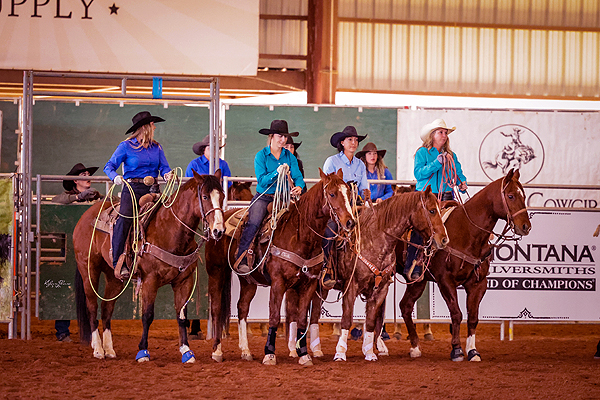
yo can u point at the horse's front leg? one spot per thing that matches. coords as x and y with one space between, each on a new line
412 294
315 314
182 290
275 298
448 291
247 293
379 321
113 288
346 323
374 313
149 289
291 317
475 292
305 296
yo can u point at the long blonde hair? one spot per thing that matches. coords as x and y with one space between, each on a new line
379 166
144 135
428 144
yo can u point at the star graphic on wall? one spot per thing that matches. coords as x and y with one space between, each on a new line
113 9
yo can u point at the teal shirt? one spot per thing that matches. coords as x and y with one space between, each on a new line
428 170
265 168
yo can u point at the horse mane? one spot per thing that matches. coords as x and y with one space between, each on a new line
309 202
210 183
380 215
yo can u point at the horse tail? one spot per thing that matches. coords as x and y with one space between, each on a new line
83 316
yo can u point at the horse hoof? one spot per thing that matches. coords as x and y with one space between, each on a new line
110 354
99 356
339 357
188 357
473 355
246 357
429 337
318 353
294 354
305 360
415 352
384 353
217 357
269 359
371 357
142 356
457 354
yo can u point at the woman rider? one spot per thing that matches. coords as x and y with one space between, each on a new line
376 169
268 162
433 167
141 157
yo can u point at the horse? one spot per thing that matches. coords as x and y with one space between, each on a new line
240 191
298 237
466 260
172 229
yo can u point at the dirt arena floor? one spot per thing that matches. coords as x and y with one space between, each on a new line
542 362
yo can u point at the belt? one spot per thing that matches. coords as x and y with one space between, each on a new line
139 180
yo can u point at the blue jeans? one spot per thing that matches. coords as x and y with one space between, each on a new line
122 226
256 215
330 232
62 326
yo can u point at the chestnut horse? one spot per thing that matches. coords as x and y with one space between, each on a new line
466 259
299 232
240 191
172 229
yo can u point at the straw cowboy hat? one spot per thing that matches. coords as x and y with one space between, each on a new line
348 131
368 148
291 141
278 126
438 123
75 171
142 118
199 147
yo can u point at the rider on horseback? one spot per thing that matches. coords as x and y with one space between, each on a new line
142 157
268 162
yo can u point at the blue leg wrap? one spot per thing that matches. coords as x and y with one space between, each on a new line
142 354
187 356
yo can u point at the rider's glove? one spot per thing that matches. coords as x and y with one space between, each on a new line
118 180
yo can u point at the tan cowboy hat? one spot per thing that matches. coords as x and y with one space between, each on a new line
198 147
368 148
436 124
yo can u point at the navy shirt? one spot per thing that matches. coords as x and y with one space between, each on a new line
137 161
201 166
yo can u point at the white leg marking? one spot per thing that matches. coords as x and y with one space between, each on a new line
292 339
243 340
470 343
181 313
184 349
97 344
367 346
107 344
315 341
217 355
383 350
415 352
342 346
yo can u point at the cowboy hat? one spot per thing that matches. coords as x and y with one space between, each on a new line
438 123
198 147
142 118
291 141
348 131
75 171
368 148
278 126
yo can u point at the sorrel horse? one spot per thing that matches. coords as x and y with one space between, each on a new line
369 261
298 236
172 229
466 259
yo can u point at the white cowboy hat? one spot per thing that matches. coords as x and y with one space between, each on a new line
438 123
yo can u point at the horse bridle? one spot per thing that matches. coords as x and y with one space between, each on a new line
427 249
509 217
202 214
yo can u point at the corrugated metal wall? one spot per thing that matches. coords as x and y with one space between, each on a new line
487 47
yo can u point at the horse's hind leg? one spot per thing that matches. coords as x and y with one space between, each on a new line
347 315
275 299
113 288
475 292
381 347
91 301
428 334
247 293
373 321
412 294
315 313
149 290
305 295
291 316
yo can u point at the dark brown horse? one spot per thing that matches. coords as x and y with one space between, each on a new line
299 232
172 229
240 191
465 261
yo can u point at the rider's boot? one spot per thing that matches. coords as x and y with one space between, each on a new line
121 270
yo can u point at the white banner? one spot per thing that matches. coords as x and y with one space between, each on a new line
550 275
547 147
203 37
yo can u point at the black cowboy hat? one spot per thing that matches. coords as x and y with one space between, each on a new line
197 147
368 148
142 118
75 171
291 141
348 131
278 126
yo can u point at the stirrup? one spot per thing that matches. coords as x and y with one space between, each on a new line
327 282
121 270
241 265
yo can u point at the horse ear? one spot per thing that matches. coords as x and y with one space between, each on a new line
517 175
196 175
428 190
218 173
246 184
510 174
340 173
322 174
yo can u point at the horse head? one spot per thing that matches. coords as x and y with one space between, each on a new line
210 203
513 202
336 194
240 191
428 220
